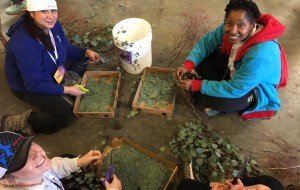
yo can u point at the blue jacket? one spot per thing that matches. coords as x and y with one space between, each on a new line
258 68
29 67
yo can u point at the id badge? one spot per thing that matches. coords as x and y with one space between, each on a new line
59 74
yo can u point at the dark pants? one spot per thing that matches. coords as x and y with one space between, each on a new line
273 183
17 1
215 67
54 111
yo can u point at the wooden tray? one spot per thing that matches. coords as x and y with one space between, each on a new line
98 74
118 142
166 111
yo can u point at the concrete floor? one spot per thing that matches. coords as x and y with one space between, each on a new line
153 132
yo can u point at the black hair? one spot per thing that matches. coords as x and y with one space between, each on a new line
250 7
37 32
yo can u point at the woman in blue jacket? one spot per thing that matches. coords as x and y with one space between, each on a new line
240 63
35 69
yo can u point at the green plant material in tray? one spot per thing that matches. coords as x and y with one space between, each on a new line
158 90
100 97
136 170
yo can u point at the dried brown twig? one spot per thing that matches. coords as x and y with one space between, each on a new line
279 141
287 168
195 25
283 162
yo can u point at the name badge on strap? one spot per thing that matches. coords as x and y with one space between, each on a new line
59 74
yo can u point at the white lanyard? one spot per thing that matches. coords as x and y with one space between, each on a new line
49 177
55 50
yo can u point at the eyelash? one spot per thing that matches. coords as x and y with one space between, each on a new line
239 25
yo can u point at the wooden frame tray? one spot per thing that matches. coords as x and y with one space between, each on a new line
155 110
118 142
98 74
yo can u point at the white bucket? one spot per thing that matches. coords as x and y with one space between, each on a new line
133 38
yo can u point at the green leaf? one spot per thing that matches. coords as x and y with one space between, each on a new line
241 158
234 163
220 141
214 146
214 174
85 41
212 159
235 173
199 150
199 162
248 169
134 113
102 60
204 145
253 162
77 39
94 43
189 141
193 153
218 153
228 146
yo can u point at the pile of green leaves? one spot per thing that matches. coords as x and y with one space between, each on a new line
136 170
100 97
83 180
97 37
215 158
158 88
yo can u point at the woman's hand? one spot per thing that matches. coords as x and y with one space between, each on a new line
218 186
73 90
92 157
185 84
115 184
181 71
93 56
238 186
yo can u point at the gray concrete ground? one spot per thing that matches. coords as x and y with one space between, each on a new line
153 132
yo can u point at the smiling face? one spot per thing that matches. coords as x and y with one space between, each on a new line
237 26
45 19
37 164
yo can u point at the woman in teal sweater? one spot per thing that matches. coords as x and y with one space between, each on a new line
240 63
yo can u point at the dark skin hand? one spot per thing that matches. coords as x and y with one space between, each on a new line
183 84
